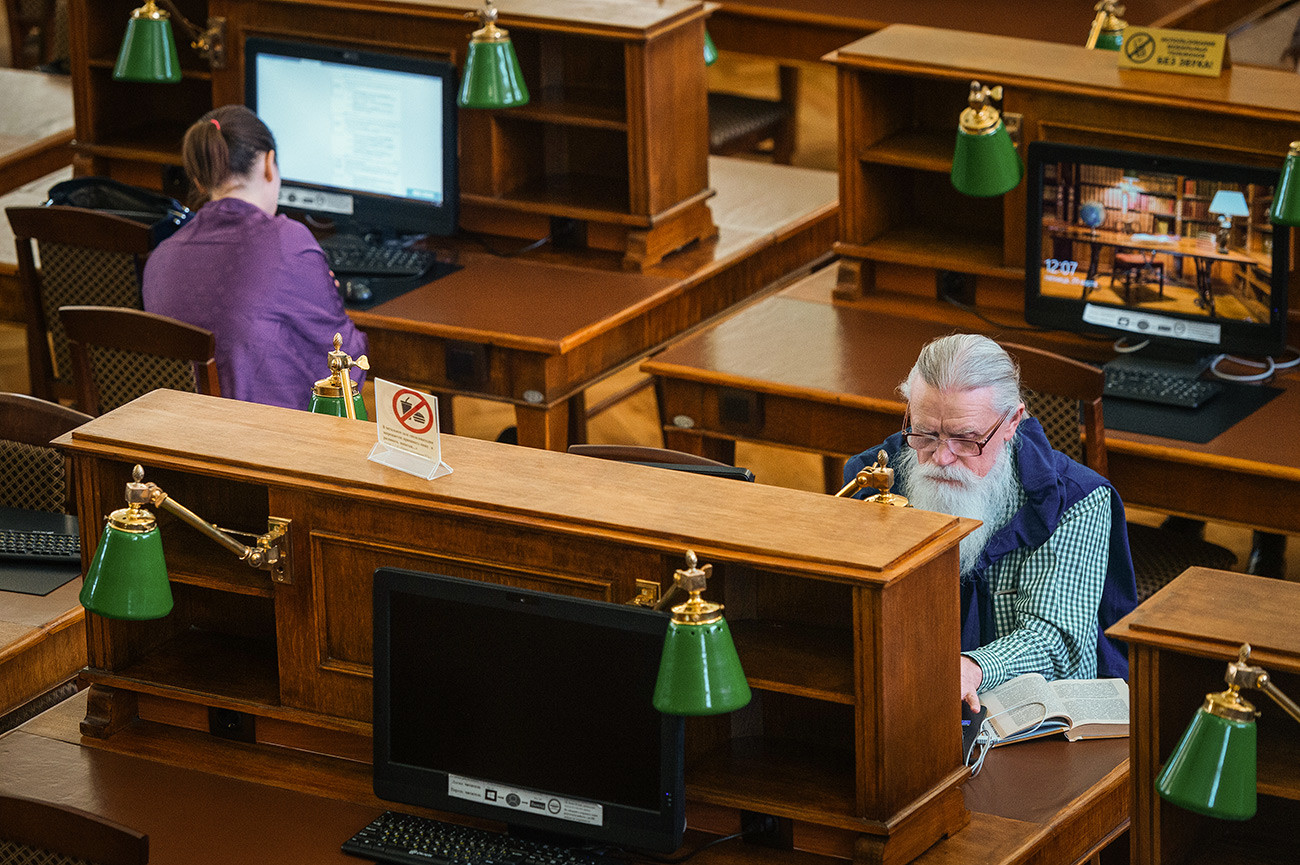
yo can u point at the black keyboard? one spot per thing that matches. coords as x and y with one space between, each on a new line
406 838
1159 387
377 260
25 546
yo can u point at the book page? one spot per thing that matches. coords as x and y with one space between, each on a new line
1094 701
1020 704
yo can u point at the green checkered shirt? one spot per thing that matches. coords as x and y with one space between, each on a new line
1045 600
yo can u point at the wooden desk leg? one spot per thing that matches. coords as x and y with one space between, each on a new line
541 427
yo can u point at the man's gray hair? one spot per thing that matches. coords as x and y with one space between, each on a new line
964 361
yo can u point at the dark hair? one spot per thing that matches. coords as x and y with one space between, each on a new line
223 143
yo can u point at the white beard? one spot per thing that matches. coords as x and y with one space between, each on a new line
990 499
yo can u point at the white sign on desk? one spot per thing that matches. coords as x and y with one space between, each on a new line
407 422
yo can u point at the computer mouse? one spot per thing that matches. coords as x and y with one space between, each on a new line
357 290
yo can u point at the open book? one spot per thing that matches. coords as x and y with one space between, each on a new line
1029 706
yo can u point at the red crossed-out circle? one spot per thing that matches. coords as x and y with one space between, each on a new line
407 418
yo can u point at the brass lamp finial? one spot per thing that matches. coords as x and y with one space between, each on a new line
338 384
489 32
879 476
1107 26
693 579
981 117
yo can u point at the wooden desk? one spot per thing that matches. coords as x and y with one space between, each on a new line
536 331
42 643
35 125
1045 802
797 370
805 30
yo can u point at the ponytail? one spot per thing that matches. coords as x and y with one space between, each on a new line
223 144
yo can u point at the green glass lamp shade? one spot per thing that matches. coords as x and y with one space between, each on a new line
710 50
1110 40
127 578
1212 769
334 405
493 78
986 164
148 51
699 671
1286 197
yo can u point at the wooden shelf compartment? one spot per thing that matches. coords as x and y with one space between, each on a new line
785 778
201 73
796 659
924 150
220 645
926 246
574 195
580 77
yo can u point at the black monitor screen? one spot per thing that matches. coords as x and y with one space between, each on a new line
364 138
1177 251
529 708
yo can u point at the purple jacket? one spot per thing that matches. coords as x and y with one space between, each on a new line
260 283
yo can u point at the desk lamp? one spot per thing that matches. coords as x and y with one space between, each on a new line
699 670
493 78
879 476
1107 31
1286 197
1129 189
1226 204
127 577
148 51
334 394
985 162
1212 769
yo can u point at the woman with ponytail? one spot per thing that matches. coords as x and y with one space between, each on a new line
258 281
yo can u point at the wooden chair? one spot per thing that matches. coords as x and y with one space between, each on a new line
119 354
642 454
1066 397
31 23
1133 266
86 257
739 124
33 831
34 475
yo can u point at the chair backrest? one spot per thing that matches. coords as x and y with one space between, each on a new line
47 832
33 474
642 454
86 257
119 354
1065 395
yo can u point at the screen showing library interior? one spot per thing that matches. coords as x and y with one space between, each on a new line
363 138
1179 252
529 708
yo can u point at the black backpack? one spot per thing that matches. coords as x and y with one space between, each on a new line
163 214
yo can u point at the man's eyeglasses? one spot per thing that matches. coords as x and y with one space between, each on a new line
926 443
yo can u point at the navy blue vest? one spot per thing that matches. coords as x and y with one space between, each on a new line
1053 484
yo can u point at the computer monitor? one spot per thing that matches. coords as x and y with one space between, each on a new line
365 140
529 708
1176 251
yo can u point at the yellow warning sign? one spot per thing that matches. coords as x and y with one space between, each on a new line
1187 52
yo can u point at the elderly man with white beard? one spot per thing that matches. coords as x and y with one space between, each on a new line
1049 570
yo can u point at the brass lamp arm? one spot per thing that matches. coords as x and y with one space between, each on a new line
210 42
1241 674
264 554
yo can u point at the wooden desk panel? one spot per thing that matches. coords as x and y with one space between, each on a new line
827 373
549 325
35 125
42 643
805 30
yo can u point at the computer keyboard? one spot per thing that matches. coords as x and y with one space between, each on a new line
1159 387
378 260
32 546
406 838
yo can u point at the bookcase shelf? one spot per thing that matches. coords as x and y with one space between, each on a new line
902 89
619 94
1180 641
837 735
